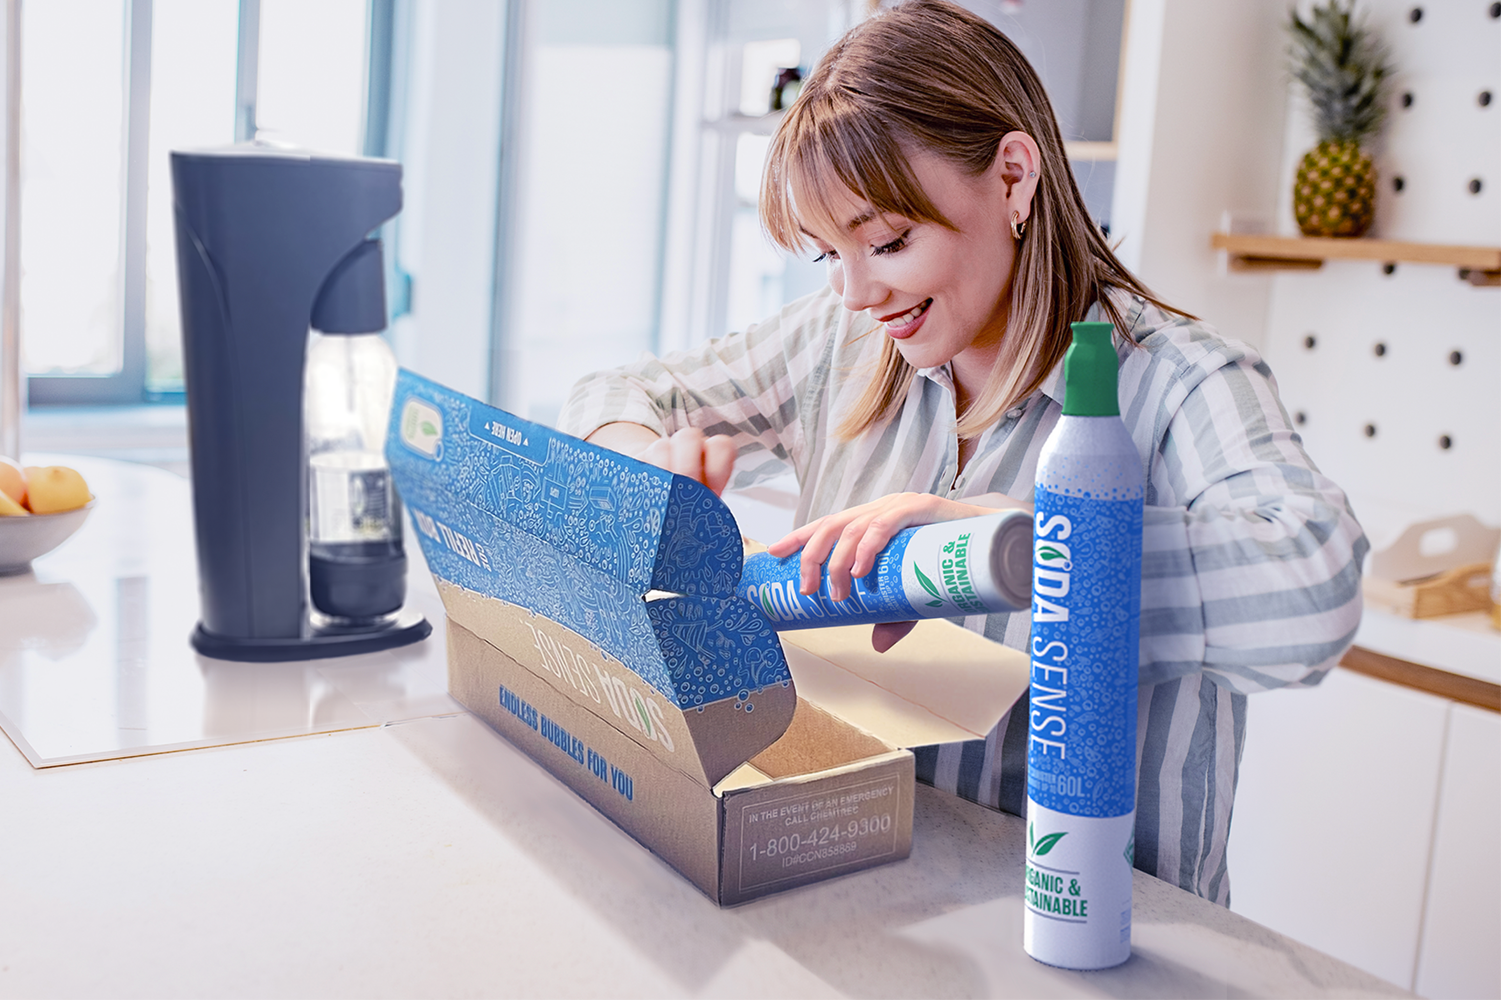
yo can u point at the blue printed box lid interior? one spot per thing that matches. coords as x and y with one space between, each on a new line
516 511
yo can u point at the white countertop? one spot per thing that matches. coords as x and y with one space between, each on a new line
422 854
1465 644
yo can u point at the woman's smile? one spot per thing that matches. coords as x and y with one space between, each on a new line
904 325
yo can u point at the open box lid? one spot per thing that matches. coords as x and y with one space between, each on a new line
547 547
541 542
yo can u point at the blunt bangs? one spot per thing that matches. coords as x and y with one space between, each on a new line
826 148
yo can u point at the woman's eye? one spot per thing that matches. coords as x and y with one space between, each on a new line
826 255
891 247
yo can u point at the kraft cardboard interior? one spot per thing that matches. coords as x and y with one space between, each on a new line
815 741
705 744
940 684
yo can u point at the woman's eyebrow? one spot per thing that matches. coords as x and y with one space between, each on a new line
850 226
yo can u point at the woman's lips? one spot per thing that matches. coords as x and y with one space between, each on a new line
903 325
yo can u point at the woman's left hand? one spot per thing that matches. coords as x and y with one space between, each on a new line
851 540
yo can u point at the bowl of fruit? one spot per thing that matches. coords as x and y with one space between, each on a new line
40 506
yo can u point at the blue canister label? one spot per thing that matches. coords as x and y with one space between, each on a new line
772 585
1086 600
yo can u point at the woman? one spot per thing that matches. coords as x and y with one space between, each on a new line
923 163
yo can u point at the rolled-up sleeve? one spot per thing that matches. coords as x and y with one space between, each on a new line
1251 557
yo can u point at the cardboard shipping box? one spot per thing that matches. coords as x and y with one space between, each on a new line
593 623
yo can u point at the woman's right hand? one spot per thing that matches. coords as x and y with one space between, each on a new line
851 540
708 460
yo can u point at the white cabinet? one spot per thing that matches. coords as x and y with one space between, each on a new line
1368 825
1460 954
1333 818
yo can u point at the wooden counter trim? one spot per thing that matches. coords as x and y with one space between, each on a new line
1455 687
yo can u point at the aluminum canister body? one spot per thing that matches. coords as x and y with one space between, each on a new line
1081 753
950 569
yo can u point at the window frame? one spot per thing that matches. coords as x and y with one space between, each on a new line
129 385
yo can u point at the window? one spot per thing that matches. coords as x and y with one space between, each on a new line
592 113
109 87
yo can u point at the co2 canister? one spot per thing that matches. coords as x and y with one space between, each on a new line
972 566
1086 604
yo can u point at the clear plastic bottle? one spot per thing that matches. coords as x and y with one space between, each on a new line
356 563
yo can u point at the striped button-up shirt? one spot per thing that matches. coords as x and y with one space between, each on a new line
1250 557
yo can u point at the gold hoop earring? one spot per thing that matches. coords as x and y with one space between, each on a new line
1018 227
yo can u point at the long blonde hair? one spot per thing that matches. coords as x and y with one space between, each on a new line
929 75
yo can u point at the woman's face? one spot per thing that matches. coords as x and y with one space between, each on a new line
942 294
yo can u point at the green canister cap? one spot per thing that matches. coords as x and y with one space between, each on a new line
1091 373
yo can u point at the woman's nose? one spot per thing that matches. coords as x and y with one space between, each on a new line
857 286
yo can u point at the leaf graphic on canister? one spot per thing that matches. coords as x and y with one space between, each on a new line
429 429
1046 844
1048 552
927 585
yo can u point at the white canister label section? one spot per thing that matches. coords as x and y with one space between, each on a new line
1078 888
944 571
949 567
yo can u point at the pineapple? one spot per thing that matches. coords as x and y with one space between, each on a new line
1344 70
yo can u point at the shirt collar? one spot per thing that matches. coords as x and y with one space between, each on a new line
1052 386
941 374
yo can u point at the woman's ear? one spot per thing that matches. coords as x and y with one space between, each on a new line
1016 165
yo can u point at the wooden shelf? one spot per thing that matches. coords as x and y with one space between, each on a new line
1477 265
1082 151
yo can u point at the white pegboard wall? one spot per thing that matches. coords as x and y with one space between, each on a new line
1442 134
1379 392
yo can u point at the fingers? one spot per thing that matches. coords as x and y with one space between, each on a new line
852 540
719 462
884 636
688 453
658 453
687 447
862 539
792 541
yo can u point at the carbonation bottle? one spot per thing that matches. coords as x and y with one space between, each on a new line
356 562
1086 603
948 569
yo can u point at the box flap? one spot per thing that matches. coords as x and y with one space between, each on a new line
940 684
547 526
